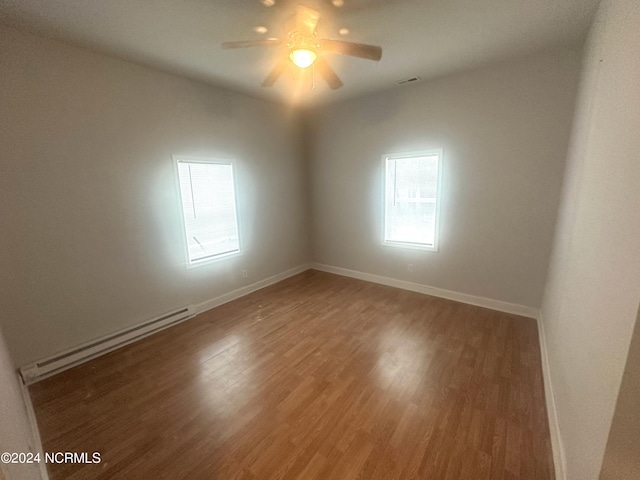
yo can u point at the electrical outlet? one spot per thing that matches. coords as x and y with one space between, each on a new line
244 274
410 267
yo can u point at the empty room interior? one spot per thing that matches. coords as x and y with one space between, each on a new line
320 239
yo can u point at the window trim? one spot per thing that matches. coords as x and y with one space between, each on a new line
177 159
410 245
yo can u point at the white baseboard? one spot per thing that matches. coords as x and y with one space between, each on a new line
490 303
241 292
35 431
559 458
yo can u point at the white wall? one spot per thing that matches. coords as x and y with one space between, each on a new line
91 239
504 130
621 458
593 288
15 430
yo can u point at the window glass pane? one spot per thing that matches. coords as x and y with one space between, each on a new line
411 192
209 209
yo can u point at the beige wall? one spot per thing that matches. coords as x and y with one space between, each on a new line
91 239
622 456
15 431
504 130
593 287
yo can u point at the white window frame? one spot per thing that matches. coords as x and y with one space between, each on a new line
177 159
422 153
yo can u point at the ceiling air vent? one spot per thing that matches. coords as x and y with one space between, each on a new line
408 80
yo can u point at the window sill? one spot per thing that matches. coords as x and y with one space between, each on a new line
412 246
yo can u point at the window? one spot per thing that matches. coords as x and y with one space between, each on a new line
411 206
208 209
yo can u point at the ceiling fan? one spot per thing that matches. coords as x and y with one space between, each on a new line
306 49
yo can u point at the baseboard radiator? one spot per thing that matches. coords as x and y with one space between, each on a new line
75 356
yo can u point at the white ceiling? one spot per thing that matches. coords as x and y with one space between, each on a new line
427 38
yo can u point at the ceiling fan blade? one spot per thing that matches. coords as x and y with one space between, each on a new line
275 73
306 20
253 43
370 52
327 73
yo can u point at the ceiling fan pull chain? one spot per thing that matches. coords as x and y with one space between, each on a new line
313 77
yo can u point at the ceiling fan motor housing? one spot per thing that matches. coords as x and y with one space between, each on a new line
298 40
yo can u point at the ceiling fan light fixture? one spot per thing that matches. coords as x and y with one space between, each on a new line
303 57
303 46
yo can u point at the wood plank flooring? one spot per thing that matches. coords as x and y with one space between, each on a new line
319 376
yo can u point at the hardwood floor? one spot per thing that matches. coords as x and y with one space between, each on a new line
319 376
